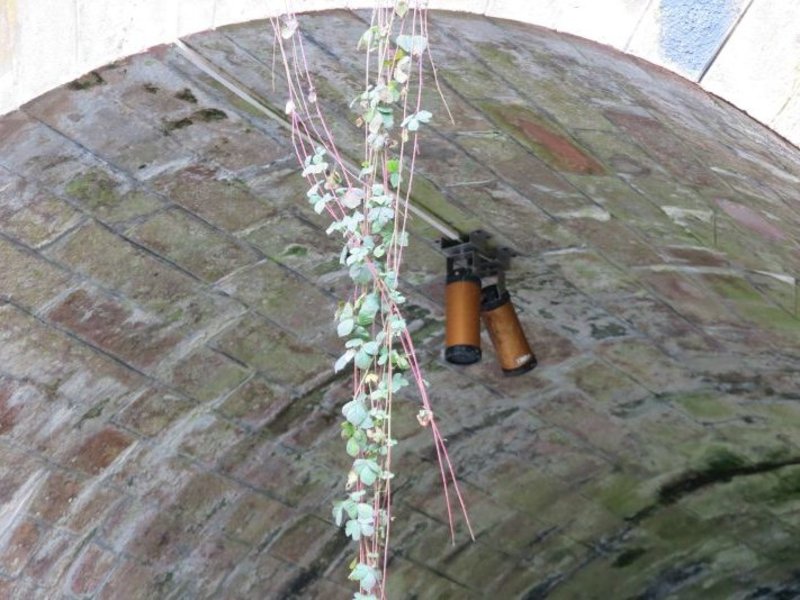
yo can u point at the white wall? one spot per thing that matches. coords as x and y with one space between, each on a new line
746 51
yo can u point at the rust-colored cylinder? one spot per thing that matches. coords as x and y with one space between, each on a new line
512 348
462 305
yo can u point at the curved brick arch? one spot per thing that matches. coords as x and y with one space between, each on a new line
745 51
168 421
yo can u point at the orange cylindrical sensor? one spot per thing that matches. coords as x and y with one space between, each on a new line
512 348
462 305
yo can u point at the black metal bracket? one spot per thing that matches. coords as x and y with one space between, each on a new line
475 253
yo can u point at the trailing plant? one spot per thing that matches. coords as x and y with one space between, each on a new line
368 204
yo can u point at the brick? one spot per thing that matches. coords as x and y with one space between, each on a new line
52 558
67 385
177 236
312 419
226 203
658 141
55 496
298 244
206 375
132 580
282 187
90 507
117 327
279 472
287 299
607 385
646 364
214 558
577 415
221 137
255 403
688 298
36 152
259 576
29 280
660 323
137 145
100 450
208 438
278 356
301 542
111 260
109 197
22 538
20 472
30 215
164 535
254 519
419 580
478 567
153 410
154 476
91 570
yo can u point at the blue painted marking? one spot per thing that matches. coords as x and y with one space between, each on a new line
692 31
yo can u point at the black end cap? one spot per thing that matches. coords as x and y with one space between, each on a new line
462 354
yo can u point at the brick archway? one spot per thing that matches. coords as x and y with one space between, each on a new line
168 419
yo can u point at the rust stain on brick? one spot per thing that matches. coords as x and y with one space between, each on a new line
100 450
54 500
749 218
550 145
113 327
19 546
8 413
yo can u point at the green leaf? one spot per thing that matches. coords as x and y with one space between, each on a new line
319 205
411 123
370 306
402 70
338 509
353 197
413 44
352 447
368 38
400 361
342 361
366 576
363 359
360 273
345 327
353 530
370 348
367 470
398 382
395 179
356 413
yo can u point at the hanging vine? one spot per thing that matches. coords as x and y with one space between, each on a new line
369 205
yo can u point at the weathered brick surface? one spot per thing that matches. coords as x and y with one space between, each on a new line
177 235
220 200
90 570
32 281
169 421
31 215
261 345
